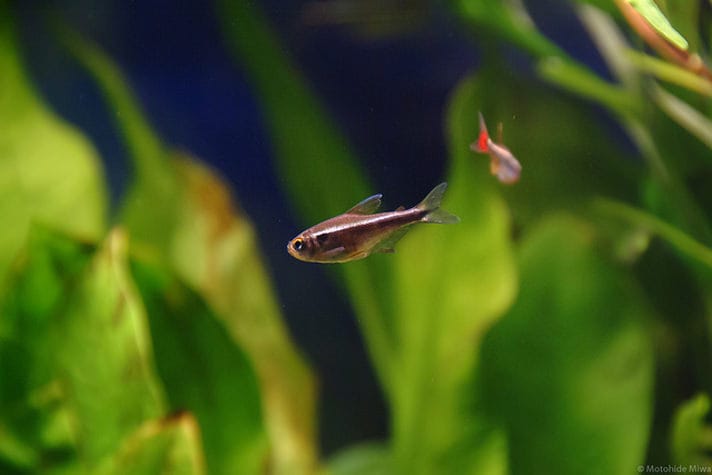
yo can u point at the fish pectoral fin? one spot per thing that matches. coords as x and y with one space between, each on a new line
335 252
387 250
367 206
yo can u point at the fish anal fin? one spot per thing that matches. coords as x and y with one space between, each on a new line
387 246
367 206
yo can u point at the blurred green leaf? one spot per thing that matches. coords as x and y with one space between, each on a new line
686 245
450 284
373 459
170 445
104 312
184 212
204 372
36 148
689 118
34 427
652 14
63 305
691 433
569 369
509 20
670 72
579 80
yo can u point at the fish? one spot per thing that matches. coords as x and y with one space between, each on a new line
503 164
360 232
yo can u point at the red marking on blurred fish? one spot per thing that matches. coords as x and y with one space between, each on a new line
503 164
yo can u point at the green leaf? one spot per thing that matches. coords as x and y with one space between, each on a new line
184 212
691 434
371 458
103 312
170 445
73 329
683 243
652 14
49 172
450 284
204 372
33 420
509 20
569 368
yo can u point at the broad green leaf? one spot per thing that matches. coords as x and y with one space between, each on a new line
184 212
49 172
569 368
204 372
691 438
170 445
74 343
652 14
34 425
450 284
104 314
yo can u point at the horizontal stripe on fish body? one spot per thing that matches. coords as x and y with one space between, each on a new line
356 234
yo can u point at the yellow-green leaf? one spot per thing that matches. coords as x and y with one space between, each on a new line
170 445
49 172
184 212
204 372
569 369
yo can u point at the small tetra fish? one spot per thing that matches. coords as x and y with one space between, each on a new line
502 163
358 233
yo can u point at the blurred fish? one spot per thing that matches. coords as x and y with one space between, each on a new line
502 163
357 233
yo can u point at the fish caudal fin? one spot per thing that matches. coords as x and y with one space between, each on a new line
482 143
431 204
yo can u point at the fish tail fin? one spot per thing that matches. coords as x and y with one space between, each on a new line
431 204
481 145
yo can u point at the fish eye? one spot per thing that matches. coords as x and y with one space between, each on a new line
298 244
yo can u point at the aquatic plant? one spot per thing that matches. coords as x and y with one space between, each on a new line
542 334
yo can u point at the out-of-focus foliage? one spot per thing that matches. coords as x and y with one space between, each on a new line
96 404
568 371
160 346
592 404
36 148
691 438
184 211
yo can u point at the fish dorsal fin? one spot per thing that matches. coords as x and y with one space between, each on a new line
400 208
367 206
